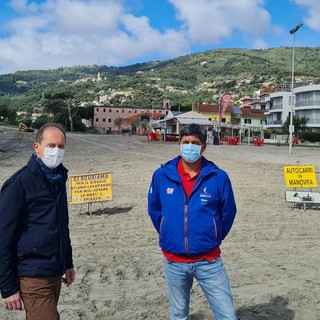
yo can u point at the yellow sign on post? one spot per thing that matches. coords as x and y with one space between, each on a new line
300 176
90 188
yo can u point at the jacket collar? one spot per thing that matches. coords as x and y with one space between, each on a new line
34 167
171 170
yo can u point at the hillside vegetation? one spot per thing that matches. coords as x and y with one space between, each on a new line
196 78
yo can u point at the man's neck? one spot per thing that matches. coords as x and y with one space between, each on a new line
192 168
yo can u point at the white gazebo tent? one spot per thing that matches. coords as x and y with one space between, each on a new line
172 123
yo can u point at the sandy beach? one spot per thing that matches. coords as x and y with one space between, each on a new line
272 253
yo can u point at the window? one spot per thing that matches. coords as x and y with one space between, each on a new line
103 120
110 110
144 117
247 121
104 110
109 120
97 120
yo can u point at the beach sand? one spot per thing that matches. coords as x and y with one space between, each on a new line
272 253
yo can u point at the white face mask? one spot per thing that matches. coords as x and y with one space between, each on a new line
52 157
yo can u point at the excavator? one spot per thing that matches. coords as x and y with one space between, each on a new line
25 128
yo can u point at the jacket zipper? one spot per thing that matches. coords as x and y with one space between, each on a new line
186 241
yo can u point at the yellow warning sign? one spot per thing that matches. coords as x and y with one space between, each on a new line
90 188
300 176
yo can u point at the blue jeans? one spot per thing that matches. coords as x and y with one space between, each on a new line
213 280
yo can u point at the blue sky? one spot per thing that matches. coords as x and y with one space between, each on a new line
48 34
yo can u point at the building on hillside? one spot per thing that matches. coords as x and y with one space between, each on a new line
87 122
261 103
307 104
104 116
247 101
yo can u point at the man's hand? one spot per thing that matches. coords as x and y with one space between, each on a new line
13 302
69 277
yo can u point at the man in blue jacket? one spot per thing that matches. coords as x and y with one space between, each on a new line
192 207
35 247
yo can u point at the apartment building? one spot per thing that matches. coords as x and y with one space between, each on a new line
307 104
306 101
278 107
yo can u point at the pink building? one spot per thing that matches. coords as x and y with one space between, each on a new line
104 116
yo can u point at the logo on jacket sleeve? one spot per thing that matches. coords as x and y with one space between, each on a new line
170 190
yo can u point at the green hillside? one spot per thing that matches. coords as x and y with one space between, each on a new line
196 78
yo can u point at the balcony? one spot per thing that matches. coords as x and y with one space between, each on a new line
313 121
276 107
309 103
274 122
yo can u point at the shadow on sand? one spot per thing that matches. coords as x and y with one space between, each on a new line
276 309
109 211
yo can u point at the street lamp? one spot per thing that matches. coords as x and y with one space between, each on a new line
293 31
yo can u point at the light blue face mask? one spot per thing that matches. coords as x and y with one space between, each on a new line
190 152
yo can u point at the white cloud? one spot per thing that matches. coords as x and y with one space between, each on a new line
23 7
313 8
210 21
59 33
54 33
259 44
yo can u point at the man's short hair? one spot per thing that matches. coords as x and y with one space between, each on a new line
194 129
39 135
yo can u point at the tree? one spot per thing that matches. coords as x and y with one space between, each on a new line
86 112
7 115
69 103
39 122
62 105
300 125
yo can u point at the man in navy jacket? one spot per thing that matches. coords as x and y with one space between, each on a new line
192 207
35 247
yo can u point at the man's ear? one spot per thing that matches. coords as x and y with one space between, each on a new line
36 147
